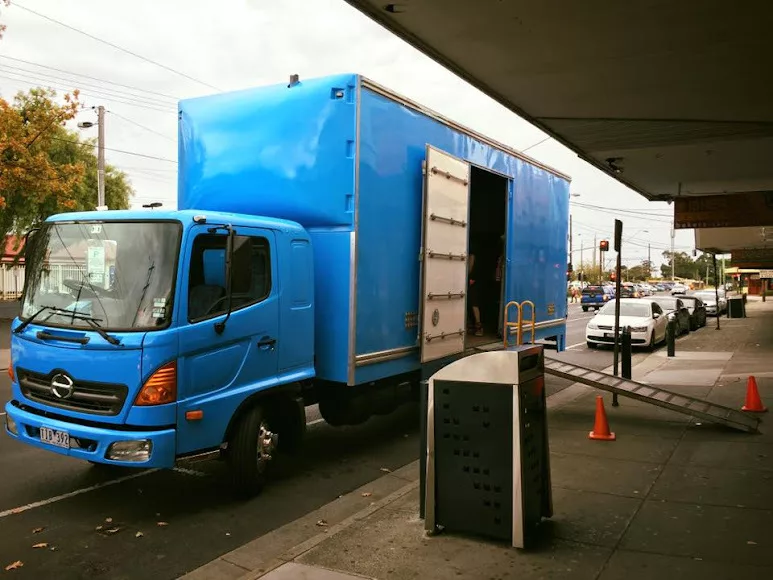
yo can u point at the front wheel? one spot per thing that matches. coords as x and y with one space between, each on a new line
652 344
590 344
251 447
585 309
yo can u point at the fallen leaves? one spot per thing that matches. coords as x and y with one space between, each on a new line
138 535
14 566
38 530
386 470
162 524
40 545
113 530
322 523
366 494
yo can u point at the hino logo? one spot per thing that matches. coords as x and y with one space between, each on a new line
62 386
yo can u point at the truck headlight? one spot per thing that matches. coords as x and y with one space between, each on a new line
135 450
10 424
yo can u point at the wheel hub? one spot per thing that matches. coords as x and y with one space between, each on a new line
267 442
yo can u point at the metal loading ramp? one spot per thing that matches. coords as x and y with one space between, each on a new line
654 395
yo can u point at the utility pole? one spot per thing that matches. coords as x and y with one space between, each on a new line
595 248
101 157
673 258
571 255
649 260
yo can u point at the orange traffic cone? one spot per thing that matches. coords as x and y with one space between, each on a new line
601 427
753 401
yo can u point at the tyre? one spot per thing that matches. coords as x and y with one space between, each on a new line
591 344
250 449
585 309
651 346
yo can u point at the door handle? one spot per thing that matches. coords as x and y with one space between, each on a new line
266 343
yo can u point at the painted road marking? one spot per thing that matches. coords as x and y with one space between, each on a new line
57 498
579 344
70 494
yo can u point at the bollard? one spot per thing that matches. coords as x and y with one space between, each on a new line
424 403
626 352
671 337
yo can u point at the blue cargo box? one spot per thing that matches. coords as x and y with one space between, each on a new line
396 199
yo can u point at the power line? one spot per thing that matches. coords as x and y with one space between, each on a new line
101 80
127 51
548 138
79 83
36 82
628 211
142 126
117 150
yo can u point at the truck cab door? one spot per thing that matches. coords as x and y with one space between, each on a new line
444 255
219 369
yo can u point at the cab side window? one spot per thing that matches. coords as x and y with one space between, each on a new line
207 286
656 309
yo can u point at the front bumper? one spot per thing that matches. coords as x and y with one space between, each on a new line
90 443
608 337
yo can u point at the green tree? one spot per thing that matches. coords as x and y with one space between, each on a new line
684 265
47 169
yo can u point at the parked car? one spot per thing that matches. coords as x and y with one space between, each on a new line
596 296
645 317
697 311
628 290
675 308
679 289
709 299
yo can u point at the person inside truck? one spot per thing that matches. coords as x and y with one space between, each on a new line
473 295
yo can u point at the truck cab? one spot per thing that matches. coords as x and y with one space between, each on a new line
147 337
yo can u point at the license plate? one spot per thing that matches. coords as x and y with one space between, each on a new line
54 437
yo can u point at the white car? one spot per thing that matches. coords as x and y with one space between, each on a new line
679 289
645 317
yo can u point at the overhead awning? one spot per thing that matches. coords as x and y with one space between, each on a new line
671 98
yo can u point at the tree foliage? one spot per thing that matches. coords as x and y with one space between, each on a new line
45 168
2 26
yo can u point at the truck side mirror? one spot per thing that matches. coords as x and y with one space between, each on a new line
229 252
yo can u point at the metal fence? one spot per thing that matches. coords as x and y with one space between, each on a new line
11 281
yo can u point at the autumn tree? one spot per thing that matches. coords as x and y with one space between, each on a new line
28 174
45 168
2 26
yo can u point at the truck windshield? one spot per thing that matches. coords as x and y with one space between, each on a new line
116 275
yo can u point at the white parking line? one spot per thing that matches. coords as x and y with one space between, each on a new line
68 495
57 498
575 346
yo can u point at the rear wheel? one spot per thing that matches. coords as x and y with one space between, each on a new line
250 449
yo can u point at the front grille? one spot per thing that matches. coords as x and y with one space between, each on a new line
87 396
604 327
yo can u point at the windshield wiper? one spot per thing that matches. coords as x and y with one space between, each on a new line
26 323
75 315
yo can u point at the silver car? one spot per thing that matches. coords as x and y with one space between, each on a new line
709 299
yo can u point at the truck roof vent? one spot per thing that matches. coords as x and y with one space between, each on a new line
200 219
294 80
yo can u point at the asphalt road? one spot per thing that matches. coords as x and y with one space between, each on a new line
69 505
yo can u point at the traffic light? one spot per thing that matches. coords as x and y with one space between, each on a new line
604 245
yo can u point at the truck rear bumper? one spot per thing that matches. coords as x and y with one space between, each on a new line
90 443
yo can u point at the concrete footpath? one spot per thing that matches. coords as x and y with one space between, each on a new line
672 497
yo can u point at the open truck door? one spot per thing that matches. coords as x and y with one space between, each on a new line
444 256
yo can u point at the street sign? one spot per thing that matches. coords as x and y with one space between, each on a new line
766 274
755 258
724 211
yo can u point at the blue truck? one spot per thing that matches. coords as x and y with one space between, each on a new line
334 243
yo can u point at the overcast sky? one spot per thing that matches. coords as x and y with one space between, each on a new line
235 44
